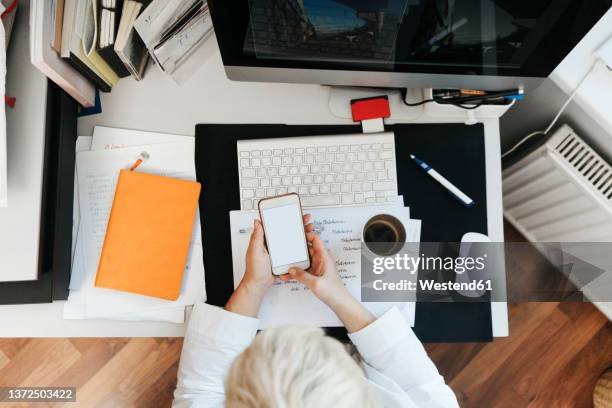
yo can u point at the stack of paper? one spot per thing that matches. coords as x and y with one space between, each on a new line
99 160
340 228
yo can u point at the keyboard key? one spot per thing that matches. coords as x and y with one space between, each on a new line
303 190
292 189
247 204
344 148
256 162
335 188
380 199
250 183
368 166
380 194
383 185
370 200
297 180
281 190
300 150
271 192
361 176
318 179
340 157
366 186
339 178
288 150
293 170
329 178
277 161
283 171
357 166
248 193
379 165
320 149
286 181
386 154
324 189
314 169
245 154
351 156
248 173
388 145
347 199
371 176
320 200
376 146
272 171
260 193
349 177
245 163
356 187
303 170
314 189
266 153
366 146
361 156
298 160
266 161
311 150
336 168
287 160
372 156
277 152
359 198
345 188
326 168
265 182
262 172
276 181
332 149
354 148
307 179
381 175
320 158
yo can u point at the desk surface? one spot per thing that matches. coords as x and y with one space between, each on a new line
158 104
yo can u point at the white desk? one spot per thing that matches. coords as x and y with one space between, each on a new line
158 104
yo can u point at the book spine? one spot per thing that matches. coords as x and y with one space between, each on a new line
88 73
113 60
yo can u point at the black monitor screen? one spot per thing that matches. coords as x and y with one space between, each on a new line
481 37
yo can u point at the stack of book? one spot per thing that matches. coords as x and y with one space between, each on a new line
84 45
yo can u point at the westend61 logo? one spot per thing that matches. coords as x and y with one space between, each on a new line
433 270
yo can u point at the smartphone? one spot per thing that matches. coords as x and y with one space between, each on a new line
283 225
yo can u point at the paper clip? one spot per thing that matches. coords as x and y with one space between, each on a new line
144 156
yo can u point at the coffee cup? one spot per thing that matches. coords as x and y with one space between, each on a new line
384 235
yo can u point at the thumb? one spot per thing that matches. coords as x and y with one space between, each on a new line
302 276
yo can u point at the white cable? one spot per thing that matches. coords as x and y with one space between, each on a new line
598 63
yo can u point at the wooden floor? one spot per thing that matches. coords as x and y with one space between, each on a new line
554 355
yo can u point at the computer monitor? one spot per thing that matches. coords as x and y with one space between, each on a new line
478 44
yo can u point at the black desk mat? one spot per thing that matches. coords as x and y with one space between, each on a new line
455 150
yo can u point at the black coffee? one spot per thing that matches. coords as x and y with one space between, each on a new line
384 235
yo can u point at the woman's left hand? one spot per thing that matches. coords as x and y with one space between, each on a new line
258 277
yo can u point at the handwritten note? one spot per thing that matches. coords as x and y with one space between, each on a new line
340 229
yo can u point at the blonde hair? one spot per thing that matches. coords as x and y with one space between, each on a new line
297 367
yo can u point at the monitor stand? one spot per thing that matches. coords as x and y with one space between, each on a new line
340 106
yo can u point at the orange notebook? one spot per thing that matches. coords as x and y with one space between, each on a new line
147 239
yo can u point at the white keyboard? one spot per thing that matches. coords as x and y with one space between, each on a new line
323 170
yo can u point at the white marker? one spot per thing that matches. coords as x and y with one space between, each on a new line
458 194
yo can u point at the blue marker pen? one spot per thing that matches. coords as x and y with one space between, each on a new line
458 194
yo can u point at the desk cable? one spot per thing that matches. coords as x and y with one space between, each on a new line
596 64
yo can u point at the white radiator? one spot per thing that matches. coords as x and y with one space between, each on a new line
562 192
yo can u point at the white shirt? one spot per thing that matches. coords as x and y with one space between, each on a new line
395 361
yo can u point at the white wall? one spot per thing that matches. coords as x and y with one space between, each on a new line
591 112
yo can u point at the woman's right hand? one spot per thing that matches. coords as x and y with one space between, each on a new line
322 278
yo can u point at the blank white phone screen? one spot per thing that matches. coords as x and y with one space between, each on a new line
285 234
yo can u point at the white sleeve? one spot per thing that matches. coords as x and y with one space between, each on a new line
390 347
213 339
